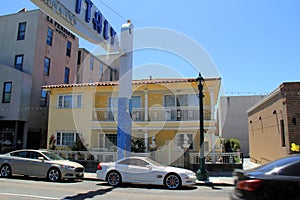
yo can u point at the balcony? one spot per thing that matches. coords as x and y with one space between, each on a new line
154 114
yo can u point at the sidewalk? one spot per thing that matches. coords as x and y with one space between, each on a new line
213 181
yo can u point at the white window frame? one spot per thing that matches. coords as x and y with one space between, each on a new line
104 143
164 101
59 141
76 101
190 100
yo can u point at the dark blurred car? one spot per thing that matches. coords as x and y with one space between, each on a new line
279 179
39 163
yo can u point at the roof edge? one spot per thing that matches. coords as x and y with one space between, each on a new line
134 82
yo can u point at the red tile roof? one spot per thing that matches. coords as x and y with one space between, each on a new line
134 82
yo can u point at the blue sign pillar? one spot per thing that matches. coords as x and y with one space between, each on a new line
125 91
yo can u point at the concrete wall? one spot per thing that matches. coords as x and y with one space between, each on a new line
21 84
86 73
35 49
232 118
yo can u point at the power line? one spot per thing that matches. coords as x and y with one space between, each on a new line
111 9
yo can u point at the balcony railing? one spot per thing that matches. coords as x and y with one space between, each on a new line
177 114
109 114
154 114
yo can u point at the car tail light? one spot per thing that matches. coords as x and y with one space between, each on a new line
99 166
249 185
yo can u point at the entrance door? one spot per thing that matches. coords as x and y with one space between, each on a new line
33 140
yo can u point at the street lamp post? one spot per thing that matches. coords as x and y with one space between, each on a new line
202 174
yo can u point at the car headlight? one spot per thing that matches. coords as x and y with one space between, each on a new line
190 173
67 166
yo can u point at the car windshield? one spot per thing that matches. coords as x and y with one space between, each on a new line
53 156
153 162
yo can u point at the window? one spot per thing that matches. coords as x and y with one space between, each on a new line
67 75
91 63
7 92
65 138
135 162
43 102
187 100
110 140
107 141
49 37
181 100
19 62
20 154
290 170
282 133
79 58
47 62
70 101
180 140
69 46
101 69
21 31
34 155
169 100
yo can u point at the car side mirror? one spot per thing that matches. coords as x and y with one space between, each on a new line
41 159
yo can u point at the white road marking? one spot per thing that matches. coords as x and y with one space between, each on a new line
30 196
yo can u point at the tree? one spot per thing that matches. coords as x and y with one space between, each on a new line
138 146
52 142
231 145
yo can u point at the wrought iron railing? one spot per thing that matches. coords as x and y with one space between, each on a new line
218 158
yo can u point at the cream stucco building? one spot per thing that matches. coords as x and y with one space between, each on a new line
165 115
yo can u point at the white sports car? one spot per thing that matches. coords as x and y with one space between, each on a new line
144 171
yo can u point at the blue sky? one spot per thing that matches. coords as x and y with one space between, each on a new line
255 44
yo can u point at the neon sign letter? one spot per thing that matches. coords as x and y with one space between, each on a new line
89 5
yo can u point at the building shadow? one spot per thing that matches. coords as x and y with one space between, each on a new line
149 187
90 194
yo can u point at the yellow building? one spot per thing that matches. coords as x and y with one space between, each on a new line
165 116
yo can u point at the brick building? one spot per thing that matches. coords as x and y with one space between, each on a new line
274 123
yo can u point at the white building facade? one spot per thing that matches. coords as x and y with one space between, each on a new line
233 118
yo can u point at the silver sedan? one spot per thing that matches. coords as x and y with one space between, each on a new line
39 163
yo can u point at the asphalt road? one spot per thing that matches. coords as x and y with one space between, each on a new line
32 188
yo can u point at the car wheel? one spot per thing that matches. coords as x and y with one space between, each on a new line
5 171
54 175
114 178
172 181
